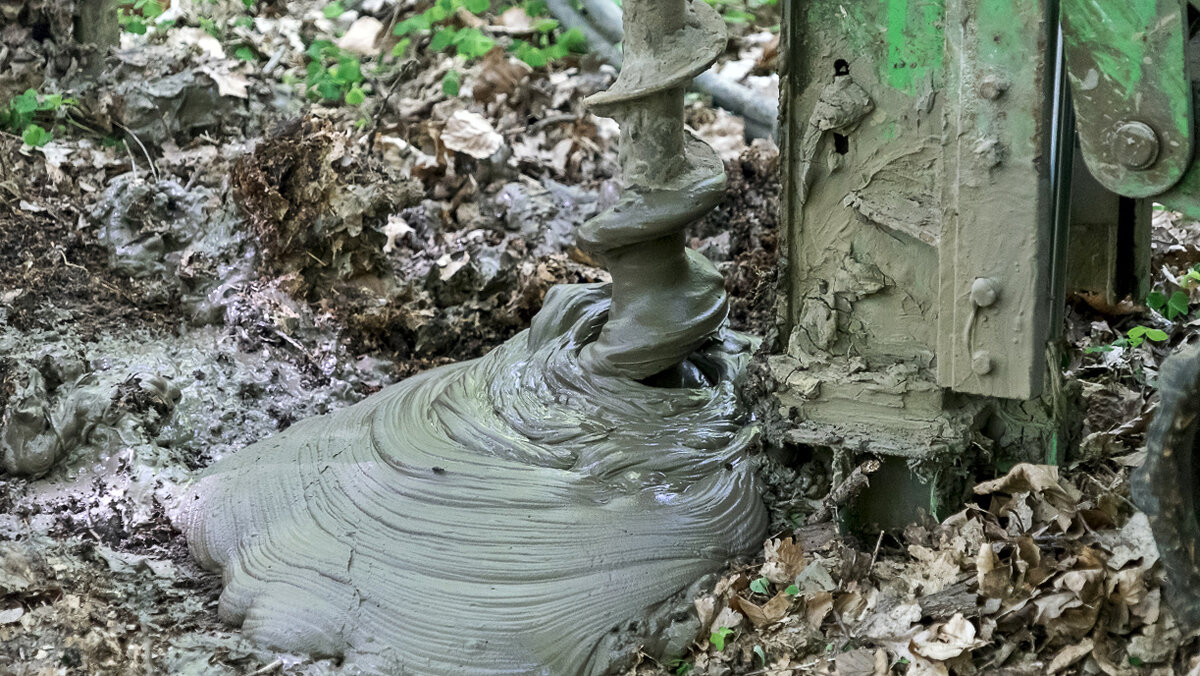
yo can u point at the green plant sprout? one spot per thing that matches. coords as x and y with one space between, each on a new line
761 586
546 46
1174 307
22 110
717 639
136 16
334 75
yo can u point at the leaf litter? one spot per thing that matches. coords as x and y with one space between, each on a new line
451 217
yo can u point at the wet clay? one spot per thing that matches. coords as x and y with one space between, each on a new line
504 515
538 510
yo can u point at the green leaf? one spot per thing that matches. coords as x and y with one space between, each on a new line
245 53
471 43
1156 301
450 83
531 55
717 639
761 586
574 40
1139 333
329 90
762 655
209 26
319 49
545 25
535 7
136 27
333 10
347 71
152 9
355 96
36 136
792 590
414 24
443 39
401 47
1157 335
1177 306
25 103
478 6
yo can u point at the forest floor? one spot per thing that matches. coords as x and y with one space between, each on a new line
220 240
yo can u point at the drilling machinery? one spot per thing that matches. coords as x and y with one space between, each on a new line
953 170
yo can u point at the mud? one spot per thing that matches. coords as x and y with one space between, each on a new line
500 492
667 298
335 537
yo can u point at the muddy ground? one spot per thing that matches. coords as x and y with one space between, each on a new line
204 255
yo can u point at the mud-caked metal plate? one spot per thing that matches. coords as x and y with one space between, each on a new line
1132 96
994 257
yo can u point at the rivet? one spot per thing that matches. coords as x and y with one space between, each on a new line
981 363
984 292
1135 145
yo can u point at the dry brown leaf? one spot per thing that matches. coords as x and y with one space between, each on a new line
817 607
946 641
498 74
769 613
784 561
514 20
992 577
361 37
471 134
728 618
857 662
1070 655
1024 478
706 609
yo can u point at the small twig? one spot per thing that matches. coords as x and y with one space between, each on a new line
150 160
273 61
69 263
875 554
845 491
274 666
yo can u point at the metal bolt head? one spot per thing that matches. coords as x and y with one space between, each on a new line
1135 145
984 292
981 363
992 87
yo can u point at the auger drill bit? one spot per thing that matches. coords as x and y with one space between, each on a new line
667 299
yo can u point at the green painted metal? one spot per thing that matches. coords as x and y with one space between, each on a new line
997 199
1185 195
915 43
1126 64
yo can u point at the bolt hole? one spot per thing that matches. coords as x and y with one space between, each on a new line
841 67
841 143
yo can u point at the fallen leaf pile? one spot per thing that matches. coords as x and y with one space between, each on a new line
1042 576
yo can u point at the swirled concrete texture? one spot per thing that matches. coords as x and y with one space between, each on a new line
508 515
